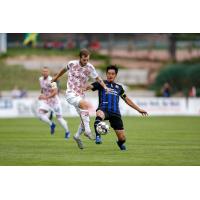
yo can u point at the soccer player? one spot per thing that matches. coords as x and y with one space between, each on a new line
49 101
79 72
108 108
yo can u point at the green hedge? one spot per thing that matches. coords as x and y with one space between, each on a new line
181 77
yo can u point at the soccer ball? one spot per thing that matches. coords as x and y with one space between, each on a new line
102 128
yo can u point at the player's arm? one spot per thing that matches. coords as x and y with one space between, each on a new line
59 74
134 106
93 86
54 91
100 81
89 87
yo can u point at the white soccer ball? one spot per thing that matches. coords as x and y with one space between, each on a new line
102 128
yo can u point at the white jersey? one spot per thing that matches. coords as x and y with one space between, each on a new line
78 76
46 88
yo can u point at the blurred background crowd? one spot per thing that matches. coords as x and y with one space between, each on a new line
150 65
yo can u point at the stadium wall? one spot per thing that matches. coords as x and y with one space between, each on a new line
27 107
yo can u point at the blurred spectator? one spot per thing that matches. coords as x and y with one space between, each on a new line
18 93
83 44
192 92
166 90
23 93
15 93
54 45
0 94
71 44
95 45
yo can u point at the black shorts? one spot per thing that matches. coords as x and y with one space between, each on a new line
115 120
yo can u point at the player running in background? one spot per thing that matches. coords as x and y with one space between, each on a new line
49 101
108 108
79 72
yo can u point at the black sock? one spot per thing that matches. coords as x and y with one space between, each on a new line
121 142
51 115
97 120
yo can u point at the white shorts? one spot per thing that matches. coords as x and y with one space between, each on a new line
73 99
56 108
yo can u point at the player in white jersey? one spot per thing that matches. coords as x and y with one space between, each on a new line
79 72
49 101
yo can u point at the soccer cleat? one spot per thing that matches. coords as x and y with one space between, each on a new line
89 135
67 135
98 140
122 146
53 126
79 142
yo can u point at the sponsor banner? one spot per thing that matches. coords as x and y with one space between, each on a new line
28 107
194 106
157 106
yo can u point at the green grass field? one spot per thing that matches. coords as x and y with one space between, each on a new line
157 141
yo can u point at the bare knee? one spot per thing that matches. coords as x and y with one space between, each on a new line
101 114
83 105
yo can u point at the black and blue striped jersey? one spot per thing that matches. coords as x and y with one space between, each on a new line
109 102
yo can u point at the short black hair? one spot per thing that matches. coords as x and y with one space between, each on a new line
114 67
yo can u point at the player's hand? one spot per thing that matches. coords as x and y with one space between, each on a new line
42 97
143 112
53 79
107 89
86 87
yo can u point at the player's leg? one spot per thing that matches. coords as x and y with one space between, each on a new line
64 124
100 116
121 139
80 130
51 115
78 134
58 111
81 107
117 124
83 110
42 114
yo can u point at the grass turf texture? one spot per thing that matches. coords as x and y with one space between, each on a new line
150 141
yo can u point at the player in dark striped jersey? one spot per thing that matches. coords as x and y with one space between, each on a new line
108 108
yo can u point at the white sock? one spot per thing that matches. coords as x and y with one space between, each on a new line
45 118
79 131
63 123
86 120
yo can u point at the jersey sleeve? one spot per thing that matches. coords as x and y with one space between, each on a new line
122 93
93 73
96 86
54 85
69 65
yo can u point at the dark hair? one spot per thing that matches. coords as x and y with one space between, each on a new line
114 67
84 52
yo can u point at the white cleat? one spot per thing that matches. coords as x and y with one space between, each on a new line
79 142
90 136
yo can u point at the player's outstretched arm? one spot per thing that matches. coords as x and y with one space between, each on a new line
58 75
88 87
134 106
100 81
